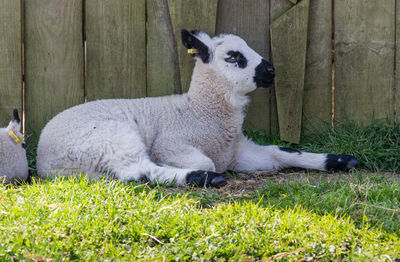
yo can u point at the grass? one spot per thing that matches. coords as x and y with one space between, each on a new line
292 215
75 219
367 198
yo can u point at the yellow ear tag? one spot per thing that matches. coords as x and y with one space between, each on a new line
193 51
16 138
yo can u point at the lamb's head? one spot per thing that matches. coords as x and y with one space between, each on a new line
13 162
13 130
232 58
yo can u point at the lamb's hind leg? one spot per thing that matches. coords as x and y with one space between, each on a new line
252 157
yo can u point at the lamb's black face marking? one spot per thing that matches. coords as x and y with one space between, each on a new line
195 32
340 162
264 75
16 116
189 40
207 178
289 150
236 57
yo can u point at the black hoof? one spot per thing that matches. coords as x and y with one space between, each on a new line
206 178
218 182
340 162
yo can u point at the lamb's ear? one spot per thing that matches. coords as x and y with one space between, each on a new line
15 123
196 42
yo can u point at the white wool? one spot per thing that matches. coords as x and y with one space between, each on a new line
13 163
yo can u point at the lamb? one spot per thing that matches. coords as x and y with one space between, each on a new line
13 162
188 138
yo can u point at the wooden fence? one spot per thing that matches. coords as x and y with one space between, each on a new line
56 53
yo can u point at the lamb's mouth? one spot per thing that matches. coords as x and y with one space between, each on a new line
264 83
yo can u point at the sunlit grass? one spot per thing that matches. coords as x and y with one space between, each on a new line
75 219
305 216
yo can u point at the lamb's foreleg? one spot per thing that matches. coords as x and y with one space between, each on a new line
252 157
147 170
201 169
183 156
125 155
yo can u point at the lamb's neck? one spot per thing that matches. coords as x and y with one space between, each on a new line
211 93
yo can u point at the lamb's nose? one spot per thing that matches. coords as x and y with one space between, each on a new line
270 70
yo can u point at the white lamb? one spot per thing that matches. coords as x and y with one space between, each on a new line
13 163
190 138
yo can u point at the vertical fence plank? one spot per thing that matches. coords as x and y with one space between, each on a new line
249 19
191 15
10 59
53 58
277 8
289 45
162 52
116 48
317 96
364 60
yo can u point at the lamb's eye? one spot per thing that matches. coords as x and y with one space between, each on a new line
236 57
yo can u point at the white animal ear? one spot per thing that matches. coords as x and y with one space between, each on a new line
198 44
15 123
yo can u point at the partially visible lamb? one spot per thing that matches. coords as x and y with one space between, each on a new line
189 138
13 163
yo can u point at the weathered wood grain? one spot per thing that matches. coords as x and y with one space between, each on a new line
53 59
10 60
191 15
364 60
288 43
317 95
162 52
249 19
116 48
277 8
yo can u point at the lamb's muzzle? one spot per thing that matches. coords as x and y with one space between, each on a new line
265 74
